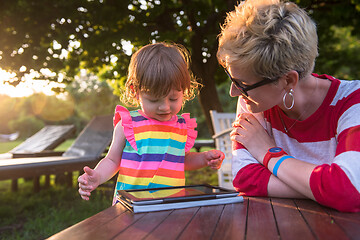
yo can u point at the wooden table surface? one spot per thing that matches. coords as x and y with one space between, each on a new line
255 218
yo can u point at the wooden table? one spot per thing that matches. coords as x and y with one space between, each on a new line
256 218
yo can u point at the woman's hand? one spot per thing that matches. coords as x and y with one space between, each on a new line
252 135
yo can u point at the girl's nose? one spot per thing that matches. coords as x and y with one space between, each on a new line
164 106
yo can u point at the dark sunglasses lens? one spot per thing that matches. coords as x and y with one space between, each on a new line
238 87
243 92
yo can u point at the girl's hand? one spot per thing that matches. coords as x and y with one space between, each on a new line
88 182
214 158
251 134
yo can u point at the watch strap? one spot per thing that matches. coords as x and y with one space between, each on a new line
269 155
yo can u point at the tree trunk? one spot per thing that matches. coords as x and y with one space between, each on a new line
208 96
209 99
205 72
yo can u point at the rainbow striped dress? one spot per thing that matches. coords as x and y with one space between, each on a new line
154 151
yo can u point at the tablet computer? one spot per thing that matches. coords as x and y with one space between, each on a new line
174 194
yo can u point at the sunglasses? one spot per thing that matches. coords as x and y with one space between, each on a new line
244 90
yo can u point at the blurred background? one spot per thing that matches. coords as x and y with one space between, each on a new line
64 62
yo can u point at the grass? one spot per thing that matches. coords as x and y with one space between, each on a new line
7 146
28 215
25 215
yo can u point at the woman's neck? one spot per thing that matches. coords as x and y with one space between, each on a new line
309 94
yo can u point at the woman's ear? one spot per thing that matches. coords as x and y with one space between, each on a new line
291 79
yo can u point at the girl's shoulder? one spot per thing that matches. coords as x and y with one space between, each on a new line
185 118
123 114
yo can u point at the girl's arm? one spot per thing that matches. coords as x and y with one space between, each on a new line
106 168
110 164
197 160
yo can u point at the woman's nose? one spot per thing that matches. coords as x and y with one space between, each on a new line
234 92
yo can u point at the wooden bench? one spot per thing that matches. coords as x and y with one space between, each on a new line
87 149
41 144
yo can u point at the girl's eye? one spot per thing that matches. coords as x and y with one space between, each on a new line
173 99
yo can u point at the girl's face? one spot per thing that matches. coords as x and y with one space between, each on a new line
161 109
260 98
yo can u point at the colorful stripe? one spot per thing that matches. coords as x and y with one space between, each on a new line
145 181
160 135
160 142
153 157
151 173
150 165
159 128
154 152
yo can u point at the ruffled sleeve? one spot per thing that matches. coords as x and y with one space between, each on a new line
191 132
121 113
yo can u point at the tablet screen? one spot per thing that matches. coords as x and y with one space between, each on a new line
174 193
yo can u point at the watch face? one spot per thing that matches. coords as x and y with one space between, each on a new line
275 149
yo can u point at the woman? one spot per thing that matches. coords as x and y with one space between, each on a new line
297 134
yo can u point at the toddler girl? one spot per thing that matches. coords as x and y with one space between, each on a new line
150 146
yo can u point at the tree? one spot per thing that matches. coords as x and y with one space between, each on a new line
66 36
91 96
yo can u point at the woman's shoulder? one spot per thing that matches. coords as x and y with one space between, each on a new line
348 91
347 87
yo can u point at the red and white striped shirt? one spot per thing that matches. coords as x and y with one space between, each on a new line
329 138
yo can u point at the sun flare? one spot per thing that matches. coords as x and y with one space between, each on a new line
25 88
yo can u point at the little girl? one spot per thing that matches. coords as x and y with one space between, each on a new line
150 146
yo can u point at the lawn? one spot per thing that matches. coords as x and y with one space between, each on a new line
28 215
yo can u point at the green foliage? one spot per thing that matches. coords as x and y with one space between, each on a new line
67 36
27 125
341 56
10 109
338 26
34 33
94 33
51 108
92 97
204 175
100 28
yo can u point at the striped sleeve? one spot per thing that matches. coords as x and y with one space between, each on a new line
251 177
337 185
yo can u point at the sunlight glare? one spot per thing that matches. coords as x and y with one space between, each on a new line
27 87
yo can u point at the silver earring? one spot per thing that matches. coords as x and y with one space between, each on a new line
290 93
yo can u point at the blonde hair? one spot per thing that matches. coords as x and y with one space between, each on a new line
269 36
157 69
